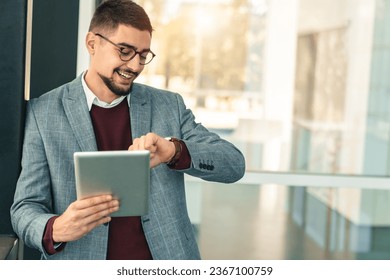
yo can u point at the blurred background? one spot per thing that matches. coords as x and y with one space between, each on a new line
301 87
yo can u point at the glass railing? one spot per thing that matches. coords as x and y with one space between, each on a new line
246 220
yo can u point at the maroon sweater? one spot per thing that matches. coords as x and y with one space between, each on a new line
126 239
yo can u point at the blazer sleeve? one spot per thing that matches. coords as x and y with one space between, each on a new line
32 200
212 158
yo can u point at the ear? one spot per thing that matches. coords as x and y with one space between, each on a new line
90 42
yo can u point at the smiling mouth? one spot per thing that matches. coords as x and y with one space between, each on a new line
125 75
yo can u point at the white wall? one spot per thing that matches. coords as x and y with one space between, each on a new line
86 9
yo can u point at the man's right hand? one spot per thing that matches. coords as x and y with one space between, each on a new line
82 216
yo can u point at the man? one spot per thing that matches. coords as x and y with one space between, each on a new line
104 110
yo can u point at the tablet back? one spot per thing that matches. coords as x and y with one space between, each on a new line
124 174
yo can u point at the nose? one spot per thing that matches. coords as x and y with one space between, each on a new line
134 65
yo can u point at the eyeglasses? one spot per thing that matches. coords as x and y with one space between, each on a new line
129 52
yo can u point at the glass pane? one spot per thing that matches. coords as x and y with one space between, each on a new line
298 86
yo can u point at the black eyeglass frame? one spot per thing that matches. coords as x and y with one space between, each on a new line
121 53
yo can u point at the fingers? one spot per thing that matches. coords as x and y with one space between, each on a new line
82 216
101 213
93 201
145 142
161 150
96 207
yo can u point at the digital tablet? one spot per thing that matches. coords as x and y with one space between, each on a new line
124 174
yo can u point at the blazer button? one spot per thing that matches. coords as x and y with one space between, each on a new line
200 165
212 167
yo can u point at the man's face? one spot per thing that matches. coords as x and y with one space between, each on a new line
108 73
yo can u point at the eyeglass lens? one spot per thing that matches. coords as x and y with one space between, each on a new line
128 54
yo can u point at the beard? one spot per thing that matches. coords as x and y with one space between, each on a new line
117 90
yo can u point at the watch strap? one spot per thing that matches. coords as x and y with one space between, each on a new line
178 150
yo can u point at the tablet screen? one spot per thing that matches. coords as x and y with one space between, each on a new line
124 174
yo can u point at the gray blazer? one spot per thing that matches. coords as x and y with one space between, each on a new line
58 124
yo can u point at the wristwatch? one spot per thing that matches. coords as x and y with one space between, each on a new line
178 150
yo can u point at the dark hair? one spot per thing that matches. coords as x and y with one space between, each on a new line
111 13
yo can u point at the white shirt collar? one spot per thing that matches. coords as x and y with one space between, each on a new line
92 98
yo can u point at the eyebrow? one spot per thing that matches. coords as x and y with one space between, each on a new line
125 45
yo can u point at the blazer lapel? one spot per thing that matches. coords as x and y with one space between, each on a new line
76 110
140 111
